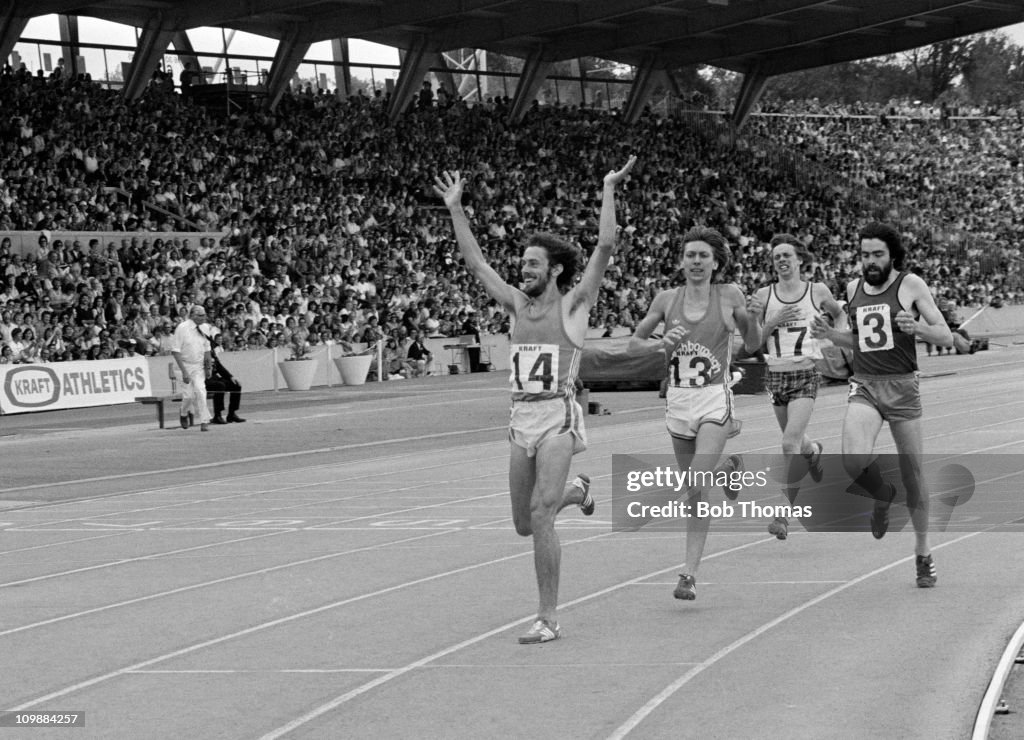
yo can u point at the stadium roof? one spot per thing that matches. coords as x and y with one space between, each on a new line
775 35
759 38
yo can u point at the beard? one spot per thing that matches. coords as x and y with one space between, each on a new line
877 275
540 284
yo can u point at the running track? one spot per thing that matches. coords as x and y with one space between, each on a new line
344 566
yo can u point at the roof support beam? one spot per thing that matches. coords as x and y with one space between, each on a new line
69 44
535 71
186 53
342 72
415 64
644 81
290 51
11 28
751 89
444 73
156 37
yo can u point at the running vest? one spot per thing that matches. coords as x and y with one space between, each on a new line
879 347
792 341
703 357
544 361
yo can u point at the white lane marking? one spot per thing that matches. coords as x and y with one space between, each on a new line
666 693
285 620
215 582
359 690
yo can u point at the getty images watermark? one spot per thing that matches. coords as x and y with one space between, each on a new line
965 493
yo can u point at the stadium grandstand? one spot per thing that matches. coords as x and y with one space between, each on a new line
292 199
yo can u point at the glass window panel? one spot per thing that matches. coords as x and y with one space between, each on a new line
570 92
98 31
367 52
42 27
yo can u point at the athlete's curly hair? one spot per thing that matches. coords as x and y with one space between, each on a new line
888 234
560 252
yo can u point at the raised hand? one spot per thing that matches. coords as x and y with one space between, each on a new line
613 178
448 187
672 338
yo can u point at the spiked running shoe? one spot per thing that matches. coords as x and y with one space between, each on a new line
541 631
926 575
814 463
732 464
587 505
686 589
779 527
880 514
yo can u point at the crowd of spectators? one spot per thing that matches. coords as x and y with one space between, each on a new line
315 223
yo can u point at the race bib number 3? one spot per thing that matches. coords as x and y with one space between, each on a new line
534 368
874 328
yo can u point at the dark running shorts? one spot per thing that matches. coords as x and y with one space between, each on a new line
784 387
895 397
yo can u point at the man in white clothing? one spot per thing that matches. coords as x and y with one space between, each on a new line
191 350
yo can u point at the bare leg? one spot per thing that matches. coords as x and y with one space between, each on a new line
910 446
552 463
706 451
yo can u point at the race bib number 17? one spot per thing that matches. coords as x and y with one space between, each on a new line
534 368
874 327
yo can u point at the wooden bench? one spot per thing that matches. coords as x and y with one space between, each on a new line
159 401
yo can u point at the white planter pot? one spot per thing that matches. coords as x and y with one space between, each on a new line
298 374
354 368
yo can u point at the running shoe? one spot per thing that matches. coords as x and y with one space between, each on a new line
926 575
779 527
880 514
541 631
587 506
732 464
686 589
814 463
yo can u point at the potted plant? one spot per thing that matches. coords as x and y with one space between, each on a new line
299 369
354 366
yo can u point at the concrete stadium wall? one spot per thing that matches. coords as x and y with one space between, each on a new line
257 370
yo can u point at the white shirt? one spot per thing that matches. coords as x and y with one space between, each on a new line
192 345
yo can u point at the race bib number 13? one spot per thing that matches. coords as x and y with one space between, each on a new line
874 328
534 368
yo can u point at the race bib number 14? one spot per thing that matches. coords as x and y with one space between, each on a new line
534 368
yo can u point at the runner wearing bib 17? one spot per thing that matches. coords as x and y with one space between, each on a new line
787 308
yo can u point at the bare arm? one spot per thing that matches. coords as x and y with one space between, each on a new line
585 293
822 329
641 343
932 326
449 188
750 327
823 297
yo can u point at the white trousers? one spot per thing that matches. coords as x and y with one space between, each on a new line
193 397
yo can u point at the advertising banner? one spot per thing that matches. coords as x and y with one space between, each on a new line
70 385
